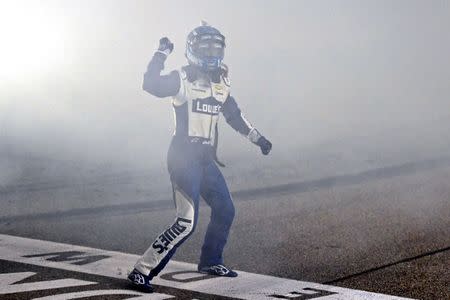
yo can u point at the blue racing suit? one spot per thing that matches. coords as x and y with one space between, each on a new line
197 98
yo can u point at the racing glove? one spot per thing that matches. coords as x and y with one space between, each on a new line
256 138
165 46
264 145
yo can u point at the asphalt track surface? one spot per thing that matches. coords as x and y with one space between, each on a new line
384 230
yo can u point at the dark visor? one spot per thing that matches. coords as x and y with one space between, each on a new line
210 49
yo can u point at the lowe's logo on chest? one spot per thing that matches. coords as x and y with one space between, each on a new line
209 106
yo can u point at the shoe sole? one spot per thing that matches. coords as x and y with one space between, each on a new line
140 287
218 275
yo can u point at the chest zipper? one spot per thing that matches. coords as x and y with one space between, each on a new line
210 119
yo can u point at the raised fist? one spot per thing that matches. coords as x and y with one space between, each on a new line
165 46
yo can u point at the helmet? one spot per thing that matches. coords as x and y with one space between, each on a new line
205 47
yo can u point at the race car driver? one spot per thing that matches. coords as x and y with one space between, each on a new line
199 92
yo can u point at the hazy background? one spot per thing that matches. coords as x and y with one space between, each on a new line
337 86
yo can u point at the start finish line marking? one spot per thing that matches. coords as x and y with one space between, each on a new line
177 275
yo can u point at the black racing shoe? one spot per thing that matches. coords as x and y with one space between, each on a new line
217 270
140 281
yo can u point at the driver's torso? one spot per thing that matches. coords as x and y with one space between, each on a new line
197 106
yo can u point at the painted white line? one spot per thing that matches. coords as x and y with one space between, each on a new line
78 295
7 286
176 275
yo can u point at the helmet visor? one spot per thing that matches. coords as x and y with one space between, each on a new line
210 48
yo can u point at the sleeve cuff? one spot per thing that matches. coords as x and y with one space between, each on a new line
253 135
162 54
159 55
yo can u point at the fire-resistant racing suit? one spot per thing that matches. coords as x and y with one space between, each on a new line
197 98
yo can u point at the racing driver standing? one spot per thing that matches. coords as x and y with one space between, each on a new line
199 92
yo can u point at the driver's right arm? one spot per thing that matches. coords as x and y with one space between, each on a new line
161 85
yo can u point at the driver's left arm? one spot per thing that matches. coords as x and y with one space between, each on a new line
238 122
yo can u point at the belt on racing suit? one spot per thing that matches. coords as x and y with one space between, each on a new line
205 141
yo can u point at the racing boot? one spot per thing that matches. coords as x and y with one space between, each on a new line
217 270
140 281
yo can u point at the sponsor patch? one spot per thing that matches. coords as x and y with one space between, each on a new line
209 106
163 241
